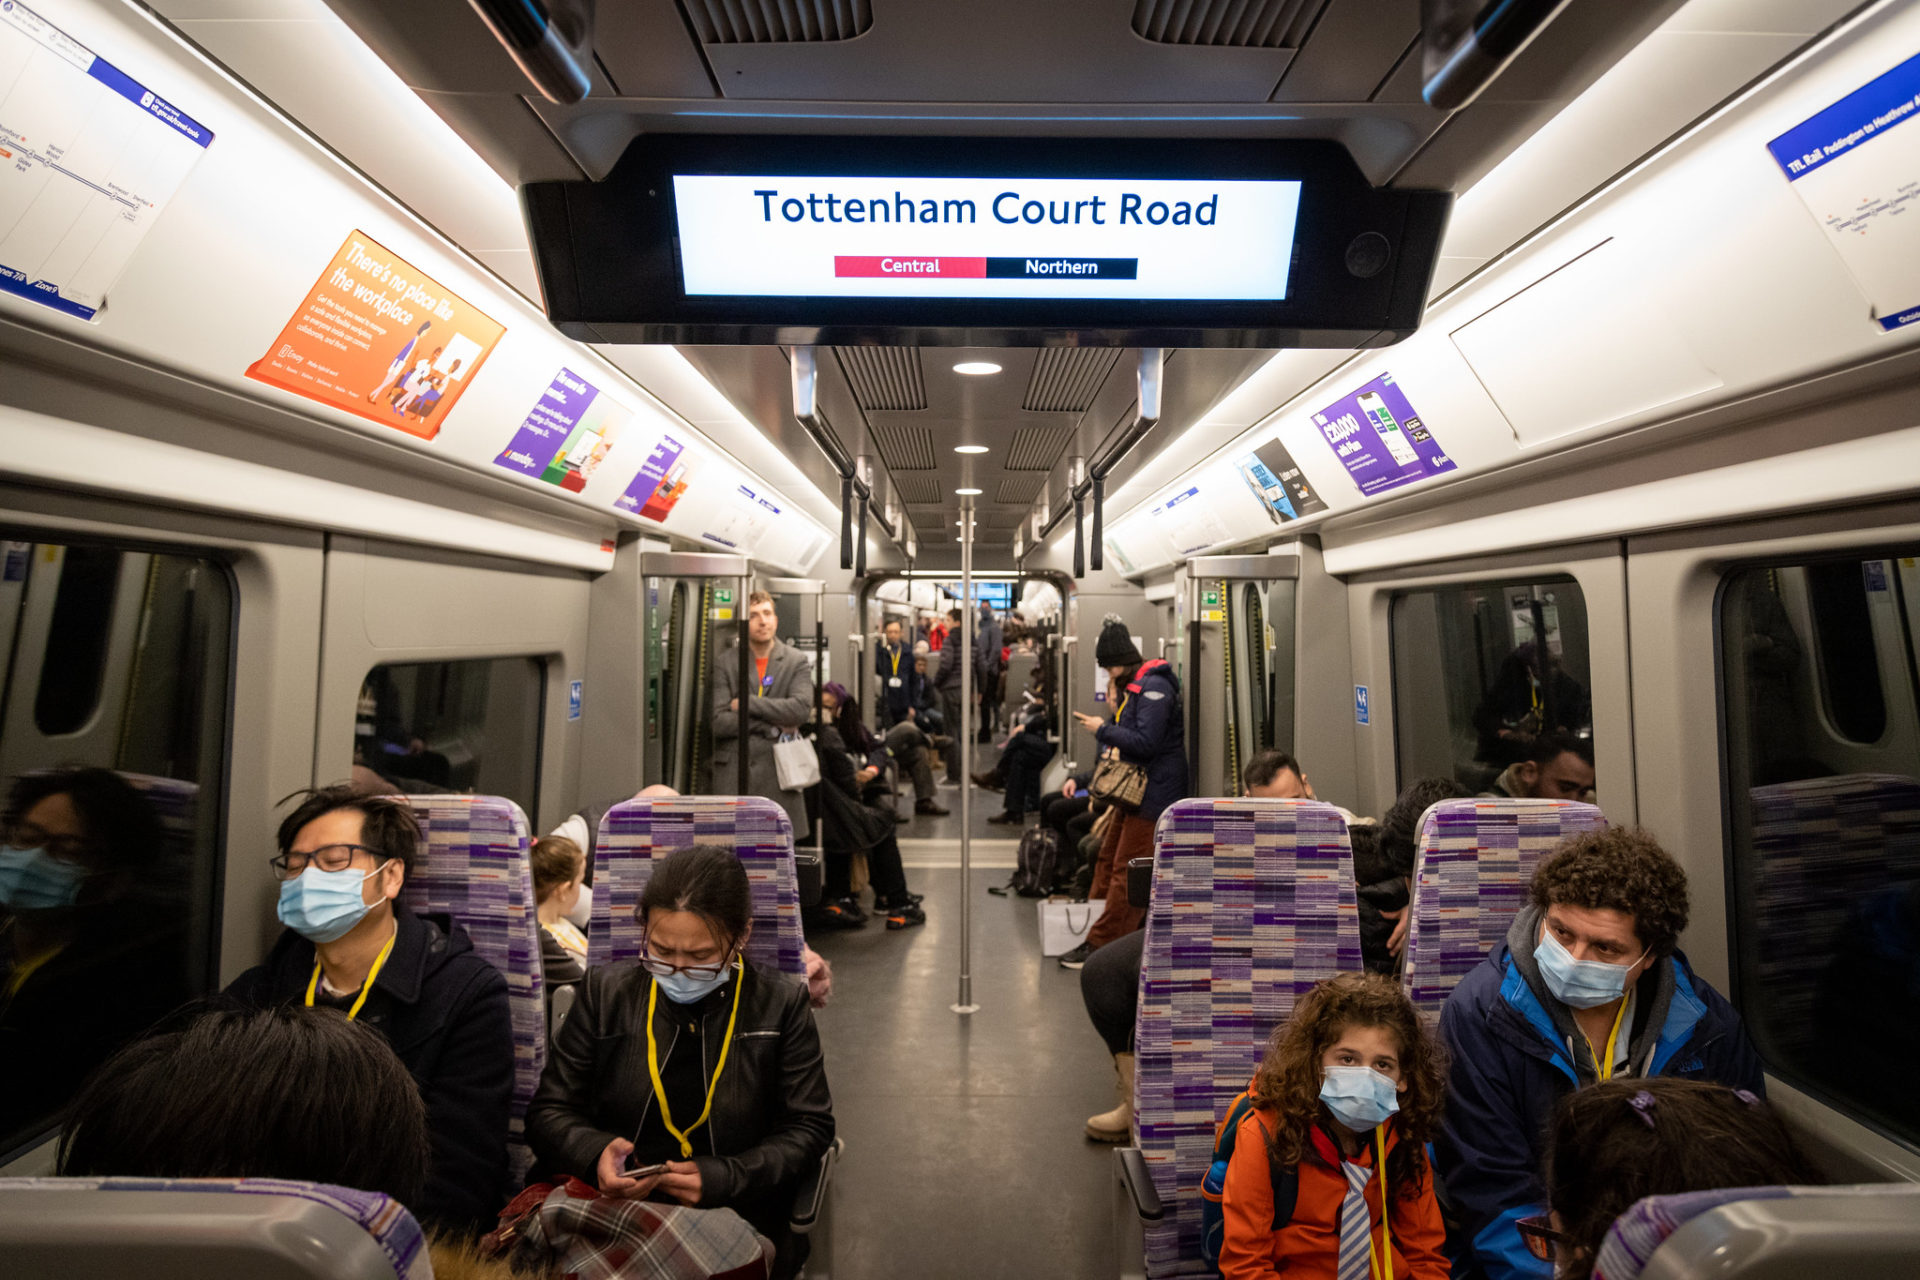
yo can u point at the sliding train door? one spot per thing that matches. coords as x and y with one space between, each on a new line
691 611
1232 661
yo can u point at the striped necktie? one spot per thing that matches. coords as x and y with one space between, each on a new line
1356 1226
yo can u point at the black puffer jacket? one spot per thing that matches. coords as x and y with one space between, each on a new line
772 1116
849 824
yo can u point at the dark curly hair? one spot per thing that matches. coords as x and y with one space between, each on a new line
1288 1081
1618 869
1400 828
1613 1143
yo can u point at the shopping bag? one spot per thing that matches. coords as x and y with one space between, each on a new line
1064 924
796 763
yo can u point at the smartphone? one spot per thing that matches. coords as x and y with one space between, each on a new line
642 1170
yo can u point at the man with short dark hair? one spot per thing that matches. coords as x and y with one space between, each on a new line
899 679
1555 767
1590 985
778 699
946 683
350 945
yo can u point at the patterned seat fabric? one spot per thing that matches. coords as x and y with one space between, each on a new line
1822 848
635 832
1636 1234
392 1227
1471 871
1252 904
474 867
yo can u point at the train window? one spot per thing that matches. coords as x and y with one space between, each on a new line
1484 672
466 726
113 769
1823 778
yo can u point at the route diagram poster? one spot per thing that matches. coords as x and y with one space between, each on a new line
381 339
89 158
566 435
1379 439
1856 166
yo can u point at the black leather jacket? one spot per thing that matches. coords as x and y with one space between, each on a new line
772 1116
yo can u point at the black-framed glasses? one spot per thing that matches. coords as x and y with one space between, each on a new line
698 972
1542 1241
27 835
328 857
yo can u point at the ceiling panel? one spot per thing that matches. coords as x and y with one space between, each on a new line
1066 379
917 487
1022 488
903 448
884 377
1037 448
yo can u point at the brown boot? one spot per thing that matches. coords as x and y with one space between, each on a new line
1116 1125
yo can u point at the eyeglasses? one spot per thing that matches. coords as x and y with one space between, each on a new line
26 835
698 972
328 857
1542 1241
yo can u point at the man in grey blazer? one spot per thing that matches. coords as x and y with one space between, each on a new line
778 698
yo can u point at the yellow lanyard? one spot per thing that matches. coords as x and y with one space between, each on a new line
1386 1229
653 1062
24 969
1605 1069
1121 709
366 988
895 655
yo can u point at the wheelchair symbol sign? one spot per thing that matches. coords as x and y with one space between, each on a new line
573 700
1360 704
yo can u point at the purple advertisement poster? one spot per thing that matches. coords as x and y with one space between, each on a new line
1380 439
659 483
545 447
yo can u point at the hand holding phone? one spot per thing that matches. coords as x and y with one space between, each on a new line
633 1170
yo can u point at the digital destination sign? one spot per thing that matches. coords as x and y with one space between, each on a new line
879 237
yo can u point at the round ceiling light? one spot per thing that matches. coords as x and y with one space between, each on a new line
969 448
976 367
969 493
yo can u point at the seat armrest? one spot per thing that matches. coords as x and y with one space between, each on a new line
1139 881
1139 1184
811 1195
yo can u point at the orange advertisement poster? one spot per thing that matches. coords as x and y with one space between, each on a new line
381 339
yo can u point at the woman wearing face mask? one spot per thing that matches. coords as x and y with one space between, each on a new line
90 953
1337 1120
690 1058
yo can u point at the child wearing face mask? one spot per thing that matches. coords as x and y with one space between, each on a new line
1321 1167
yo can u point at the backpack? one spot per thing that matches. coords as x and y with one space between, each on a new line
1213 1220
1038 862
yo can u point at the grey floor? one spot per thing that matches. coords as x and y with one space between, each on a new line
965 1156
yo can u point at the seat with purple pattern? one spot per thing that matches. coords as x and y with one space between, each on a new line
1253 903
1871 1229
635 832
473 865
1470 875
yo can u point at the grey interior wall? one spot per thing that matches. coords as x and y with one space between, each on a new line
1092 598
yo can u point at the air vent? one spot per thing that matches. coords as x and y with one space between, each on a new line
1037 448
778 21
884 377
1239 24
1066 379
916 486
1021 489
903 448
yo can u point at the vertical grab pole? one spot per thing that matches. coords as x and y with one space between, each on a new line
743 720
968 620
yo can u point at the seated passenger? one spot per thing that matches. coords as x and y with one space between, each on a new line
1532 694
1551 767
350 945
906 743
850 824
1616 1143
92 952
1386 891
690 1057
926 706
558 866
1025 758
1589 986
1344 1105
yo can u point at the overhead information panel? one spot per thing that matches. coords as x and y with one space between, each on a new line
956 241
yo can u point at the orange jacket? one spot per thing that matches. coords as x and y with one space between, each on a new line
1309 1245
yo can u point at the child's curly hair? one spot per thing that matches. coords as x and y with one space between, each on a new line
1288 1081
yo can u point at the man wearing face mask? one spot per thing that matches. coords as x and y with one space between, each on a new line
350 945
1590 985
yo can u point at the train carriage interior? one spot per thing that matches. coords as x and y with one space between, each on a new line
1121 516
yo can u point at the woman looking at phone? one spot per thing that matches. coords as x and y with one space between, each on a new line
689 1075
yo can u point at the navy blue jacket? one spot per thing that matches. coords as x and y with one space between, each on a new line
897 700
1509 1068
1151 731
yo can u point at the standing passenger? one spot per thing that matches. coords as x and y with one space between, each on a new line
987 666
899 679
779 700
350 945
1149 730
946 682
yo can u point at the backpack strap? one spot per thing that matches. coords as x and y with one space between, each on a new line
1144 668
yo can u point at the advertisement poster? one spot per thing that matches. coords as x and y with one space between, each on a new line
381 340
89 158
661 480
1856 166
742 522
1189 524
1275 479
1379 439
566 435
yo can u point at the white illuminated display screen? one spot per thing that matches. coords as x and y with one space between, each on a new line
1035 238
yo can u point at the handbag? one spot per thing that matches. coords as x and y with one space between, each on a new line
795 763
1064 924
1117 782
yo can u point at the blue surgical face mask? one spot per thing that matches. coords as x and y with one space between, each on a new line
1359 1097
683 988
34 880
323 905
1580 984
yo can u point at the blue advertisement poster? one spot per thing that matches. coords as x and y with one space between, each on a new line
1379 439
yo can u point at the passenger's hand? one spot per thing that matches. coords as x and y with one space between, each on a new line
1068 790
681 1181
1090 723
1401 918
819 977
733 704
866 775
615 1183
